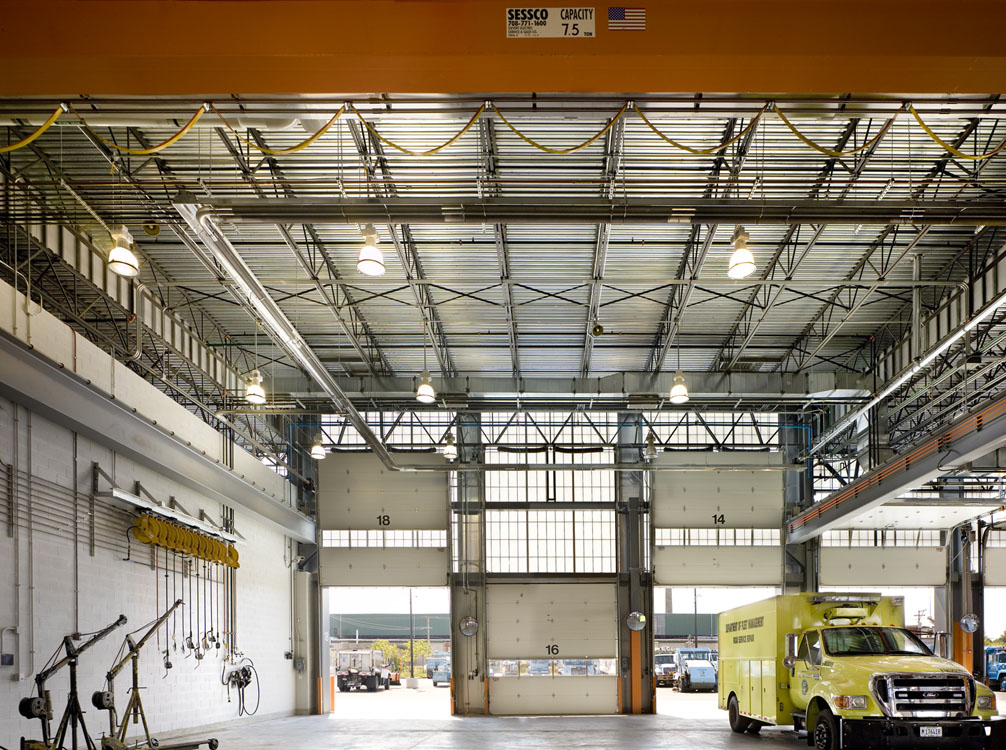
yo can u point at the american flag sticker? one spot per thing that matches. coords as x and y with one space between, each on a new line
626 19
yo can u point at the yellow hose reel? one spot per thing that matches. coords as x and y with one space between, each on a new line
149 529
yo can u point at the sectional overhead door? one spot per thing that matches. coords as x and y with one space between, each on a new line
381 527
552 648
725 527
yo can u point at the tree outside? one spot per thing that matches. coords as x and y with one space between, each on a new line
398 656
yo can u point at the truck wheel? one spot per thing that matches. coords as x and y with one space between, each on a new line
372 684
995 685
738 723
755 727
825 731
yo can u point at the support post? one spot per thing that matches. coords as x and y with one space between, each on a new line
469 659
635 578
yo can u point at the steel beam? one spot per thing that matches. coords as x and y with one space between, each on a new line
576 210
612 163
690 267
373 159
710 385
969 438
800 344
487 134
32 381
352 318
791 236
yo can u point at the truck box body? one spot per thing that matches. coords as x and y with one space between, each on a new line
361 670
857 670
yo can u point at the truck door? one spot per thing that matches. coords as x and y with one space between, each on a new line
807 670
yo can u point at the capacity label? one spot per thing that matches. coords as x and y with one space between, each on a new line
543 23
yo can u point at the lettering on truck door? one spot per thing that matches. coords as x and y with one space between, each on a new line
806 673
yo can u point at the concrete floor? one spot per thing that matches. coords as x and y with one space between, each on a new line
402 719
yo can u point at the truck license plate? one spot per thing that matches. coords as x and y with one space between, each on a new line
930 731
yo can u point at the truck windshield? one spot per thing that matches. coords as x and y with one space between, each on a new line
663 659
861 641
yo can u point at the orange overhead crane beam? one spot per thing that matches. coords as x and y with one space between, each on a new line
204 47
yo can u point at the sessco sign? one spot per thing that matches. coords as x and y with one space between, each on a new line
542 23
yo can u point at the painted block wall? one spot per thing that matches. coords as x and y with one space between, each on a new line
71 589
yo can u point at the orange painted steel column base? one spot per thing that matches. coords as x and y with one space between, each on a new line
964 645
331 693
636 671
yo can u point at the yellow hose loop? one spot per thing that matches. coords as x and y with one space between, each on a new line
143 151
450 142
561 151
280 151
232 557
173 536
701 151
41 129
830 152
186 540
220 553
949 146
160 532
141 530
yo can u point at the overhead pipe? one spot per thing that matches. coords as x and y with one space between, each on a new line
203 223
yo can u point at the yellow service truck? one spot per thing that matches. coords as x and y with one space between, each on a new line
843 667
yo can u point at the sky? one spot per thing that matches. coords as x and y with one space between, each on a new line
394 600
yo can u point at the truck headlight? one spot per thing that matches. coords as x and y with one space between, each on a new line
855 702
986 702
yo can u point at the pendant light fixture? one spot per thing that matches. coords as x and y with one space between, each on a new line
425 393
254 392
450 450
318 451
679 391
650 454
121 258
371 260
742 262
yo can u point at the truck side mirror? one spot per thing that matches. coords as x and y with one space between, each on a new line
789 660
942 644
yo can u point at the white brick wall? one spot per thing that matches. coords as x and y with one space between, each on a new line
190 695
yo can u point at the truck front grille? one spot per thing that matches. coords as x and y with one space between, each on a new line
924 695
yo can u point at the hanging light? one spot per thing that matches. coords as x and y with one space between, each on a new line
679 391
450 450
121 258
425 393
742 262
318 451
650 454
254 392
371 261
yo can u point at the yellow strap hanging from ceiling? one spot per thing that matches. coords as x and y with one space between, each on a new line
41 129
701 151
560 151
143 151
831 152
281 151
409 152
950 147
